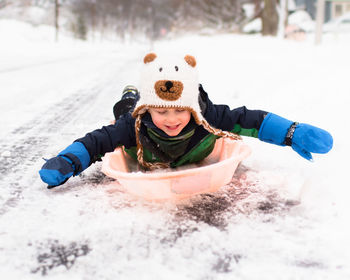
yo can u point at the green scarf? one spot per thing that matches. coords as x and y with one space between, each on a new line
173 147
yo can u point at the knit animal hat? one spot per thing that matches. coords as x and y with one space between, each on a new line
170 82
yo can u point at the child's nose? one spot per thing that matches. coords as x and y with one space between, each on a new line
172 117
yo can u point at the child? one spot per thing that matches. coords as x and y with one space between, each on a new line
175 123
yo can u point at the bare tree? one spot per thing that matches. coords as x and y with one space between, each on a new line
269 18
57 12
153 18
4 3
216 14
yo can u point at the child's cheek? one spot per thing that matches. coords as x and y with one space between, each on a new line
158 121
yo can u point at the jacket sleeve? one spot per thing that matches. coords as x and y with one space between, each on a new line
106 139
240 120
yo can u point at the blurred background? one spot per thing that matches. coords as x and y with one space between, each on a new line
157 19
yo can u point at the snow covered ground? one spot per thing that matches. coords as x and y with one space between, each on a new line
281 217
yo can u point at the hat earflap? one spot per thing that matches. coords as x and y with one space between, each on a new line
142 162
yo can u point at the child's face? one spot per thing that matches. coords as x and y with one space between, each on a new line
171 121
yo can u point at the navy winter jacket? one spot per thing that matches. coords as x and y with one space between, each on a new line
240 120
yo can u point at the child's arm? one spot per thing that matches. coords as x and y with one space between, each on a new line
239 120
85 151
303 138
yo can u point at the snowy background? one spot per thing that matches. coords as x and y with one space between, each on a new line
280 218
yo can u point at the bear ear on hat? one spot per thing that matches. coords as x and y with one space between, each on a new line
190 60
149 58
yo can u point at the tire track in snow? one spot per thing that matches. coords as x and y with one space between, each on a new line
27 143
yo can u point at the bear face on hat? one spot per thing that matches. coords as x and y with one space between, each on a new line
169 82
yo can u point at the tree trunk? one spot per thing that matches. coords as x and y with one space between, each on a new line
269 18
56 19
319 21
93 18
283 18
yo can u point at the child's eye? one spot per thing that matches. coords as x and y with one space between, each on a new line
180 110
161 112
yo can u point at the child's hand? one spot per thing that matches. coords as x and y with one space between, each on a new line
309 139
70 162
56 171
304 138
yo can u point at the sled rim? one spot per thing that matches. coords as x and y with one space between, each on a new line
242 153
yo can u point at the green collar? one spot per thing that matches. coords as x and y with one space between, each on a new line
173 147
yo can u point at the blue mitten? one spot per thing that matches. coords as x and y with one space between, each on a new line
304 138
70 162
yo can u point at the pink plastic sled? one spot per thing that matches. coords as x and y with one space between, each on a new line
207 176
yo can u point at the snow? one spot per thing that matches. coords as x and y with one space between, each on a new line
281 217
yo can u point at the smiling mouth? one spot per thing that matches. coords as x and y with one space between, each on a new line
172 127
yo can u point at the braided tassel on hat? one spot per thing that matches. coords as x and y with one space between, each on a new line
142 162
